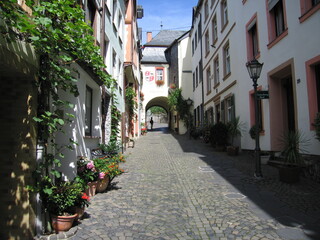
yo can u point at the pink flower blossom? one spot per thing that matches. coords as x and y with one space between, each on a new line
90 165
101 175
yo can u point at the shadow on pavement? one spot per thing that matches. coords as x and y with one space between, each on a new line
294 206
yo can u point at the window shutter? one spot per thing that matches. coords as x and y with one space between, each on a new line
271 4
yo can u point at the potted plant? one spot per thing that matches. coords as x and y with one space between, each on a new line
219 136
141 96
173 86
101 166
81 203
234 130
110 149
252 132
293 147
87 175
59 199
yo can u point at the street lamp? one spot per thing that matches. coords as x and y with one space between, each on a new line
254 69
189 103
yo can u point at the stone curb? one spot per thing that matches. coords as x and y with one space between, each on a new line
62 235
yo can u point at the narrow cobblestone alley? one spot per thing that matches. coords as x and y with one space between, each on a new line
176 188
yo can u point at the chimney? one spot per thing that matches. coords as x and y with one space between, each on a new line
149 36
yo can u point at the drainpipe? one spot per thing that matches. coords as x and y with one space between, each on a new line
103 95
201 74
39 216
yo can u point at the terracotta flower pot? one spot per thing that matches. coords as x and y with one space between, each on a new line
63 223
103 184
92 187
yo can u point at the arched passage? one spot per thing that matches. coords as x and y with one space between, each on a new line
159 102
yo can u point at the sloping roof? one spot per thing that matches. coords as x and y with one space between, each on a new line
153 51
154 55
165 38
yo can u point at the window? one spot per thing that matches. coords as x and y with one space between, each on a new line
252 39
208 80
212 2
194 81
209 116
199 31
197 78
214 29
105 51
216 71
308 8
198 116
313 86
224 13
114 59
200 71
88 112
192 46
276 20
218 113
226 60
114 12
314 2
159 74
207 43
278 17
222 112
195 40
91 12
230 109
206 11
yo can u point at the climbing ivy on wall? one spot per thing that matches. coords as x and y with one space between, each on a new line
60 36
177 103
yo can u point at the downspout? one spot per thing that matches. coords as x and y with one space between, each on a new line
201 75
103 94
42 219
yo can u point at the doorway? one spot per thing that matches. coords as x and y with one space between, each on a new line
282 104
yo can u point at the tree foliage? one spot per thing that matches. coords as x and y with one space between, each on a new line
157 110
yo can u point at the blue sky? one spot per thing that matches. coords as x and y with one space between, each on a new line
173 14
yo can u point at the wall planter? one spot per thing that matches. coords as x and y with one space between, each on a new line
63 223
159 83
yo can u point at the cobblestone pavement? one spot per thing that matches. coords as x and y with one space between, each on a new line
177 188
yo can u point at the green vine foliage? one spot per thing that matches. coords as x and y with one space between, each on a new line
177 103
60 36
130 101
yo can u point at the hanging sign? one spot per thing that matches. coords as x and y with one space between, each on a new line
263 94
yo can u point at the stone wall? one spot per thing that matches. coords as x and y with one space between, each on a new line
18 101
